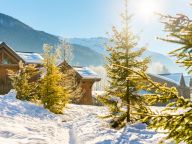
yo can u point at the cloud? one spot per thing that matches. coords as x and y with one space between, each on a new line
158 68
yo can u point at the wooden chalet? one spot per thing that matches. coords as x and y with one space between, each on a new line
178 80
86 78
9 60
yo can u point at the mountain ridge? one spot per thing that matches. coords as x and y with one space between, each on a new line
22 37
87 51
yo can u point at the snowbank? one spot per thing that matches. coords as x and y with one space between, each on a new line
25 123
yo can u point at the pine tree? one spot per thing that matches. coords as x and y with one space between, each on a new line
23 81
180 32
122 96
176 118
53 95
178 124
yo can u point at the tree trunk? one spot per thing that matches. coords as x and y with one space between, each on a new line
128 102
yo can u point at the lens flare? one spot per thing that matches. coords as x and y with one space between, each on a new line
147 9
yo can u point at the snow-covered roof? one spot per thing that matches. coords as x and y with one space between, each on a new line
86 73
187 80
30 57
173 76
164 78
27 57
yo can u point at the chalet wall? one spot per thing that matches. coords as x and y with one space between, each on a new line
5 82
86 86
8 61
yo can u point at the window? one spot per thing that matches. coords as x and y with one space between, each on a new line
5 61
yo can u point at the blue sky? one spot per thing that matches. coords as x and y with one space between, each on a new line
93 18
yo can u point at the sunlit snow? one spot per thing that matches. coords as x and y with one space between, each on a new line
24 123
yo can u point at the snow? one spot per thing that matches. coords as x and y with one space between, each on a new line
187 80
98 93
23 123
89 129
177 78
31 57
173 76
86 73
164 78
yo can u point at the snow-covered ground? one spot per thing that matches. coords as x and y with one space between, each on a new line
25 123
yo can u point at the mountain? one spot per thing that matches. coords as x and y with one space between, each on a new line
22 37
97 44
158 61
87 51
162 64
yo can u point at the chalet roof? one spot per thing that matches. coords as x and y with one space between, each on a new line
86 73
35 58
173 76
3 44
165 78
187 80
31 57
27 57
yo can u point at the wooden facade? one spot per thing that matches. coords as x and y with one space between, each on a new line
86 86
86 82
9 60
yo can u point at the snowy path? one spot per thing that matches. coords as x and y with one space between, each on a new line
71 133
25 123
73 138
87 128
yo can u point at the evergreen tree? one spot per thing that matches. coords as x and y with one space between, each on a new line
176 118
53 95
23 81
179 30
178 124
122 97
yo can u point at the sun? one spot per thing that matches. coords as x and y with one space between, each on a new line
147 9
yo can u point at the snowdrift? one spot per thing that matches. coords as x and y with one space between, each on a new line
25 123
